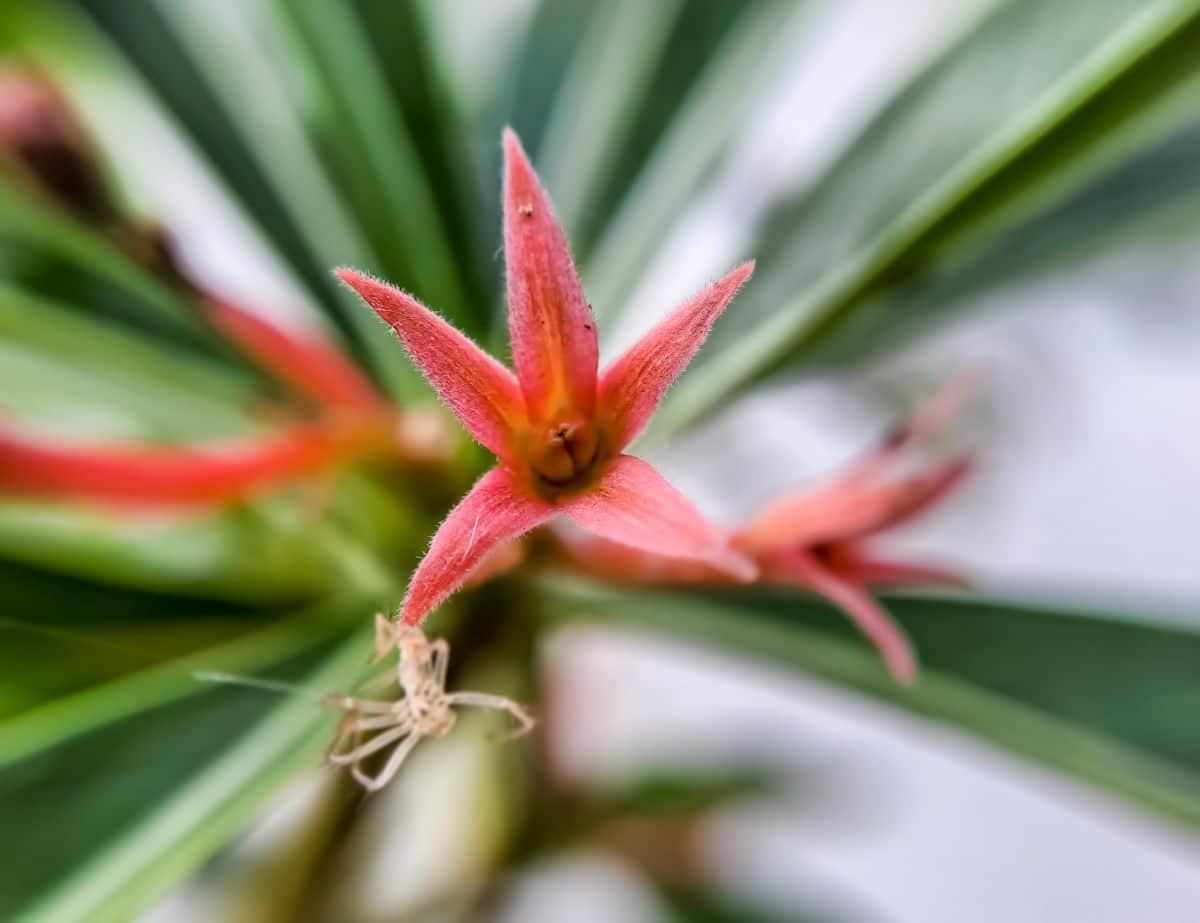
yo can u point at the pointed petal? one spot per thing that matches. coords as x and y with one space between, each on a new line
309 363
635 505
494 510
802 569
631 388
854 564
847 509
913 496
482 393
550 324
934 413
153 476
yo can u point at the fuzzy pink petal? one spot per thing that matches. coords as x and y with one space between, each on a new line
483 394
550 324
309 363
631 388
635 505
803 569
494 510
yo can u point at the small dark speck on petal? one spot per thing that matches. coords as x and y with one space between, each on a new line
527 210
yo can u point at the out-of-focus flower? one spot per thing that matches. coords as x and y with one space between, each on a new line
143 476
352 421
558 427
819 538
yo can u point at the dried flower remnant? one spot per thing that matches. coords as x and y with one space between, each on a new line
559 426
818 539
41 139
425 709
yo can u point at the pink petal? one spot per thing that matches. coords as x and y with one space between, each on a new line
604 559
934 413
802 569
913 496
482 393
549 322
631 388
633 504
310 364
154 476
494 510
852 563
849 508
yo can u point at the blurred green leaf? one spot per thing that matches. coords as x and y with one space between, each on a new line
700 906
241 554
199 66
357 124
609 73
46 251
1110 700
687 790
714 68
154 794
66 371
1148 204
967 151
59 634
153 660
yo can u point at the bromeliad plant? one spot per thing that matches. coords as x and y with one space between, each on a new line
187 486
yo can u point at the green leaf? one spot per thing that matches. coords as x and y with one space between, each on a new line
369 151
609 74
149 657
1148 203
714 68
64 370
674 791
261 553
199 66
49 252
970 149
59 634
155 793
1107 699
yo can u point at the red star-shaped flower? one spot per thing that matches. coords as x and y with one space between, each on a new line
559 426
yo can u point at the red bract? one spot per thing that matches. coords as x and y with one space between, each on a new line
353 422
558 426
818 539
155 477
308 363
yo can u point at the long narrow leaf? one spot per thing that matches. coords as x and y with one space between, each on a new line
1108 700
1019 141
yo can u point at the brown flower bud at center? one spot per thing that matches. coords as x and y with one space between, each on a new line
563 452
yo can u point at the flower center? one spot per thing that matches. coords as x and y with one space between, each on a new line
563 452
